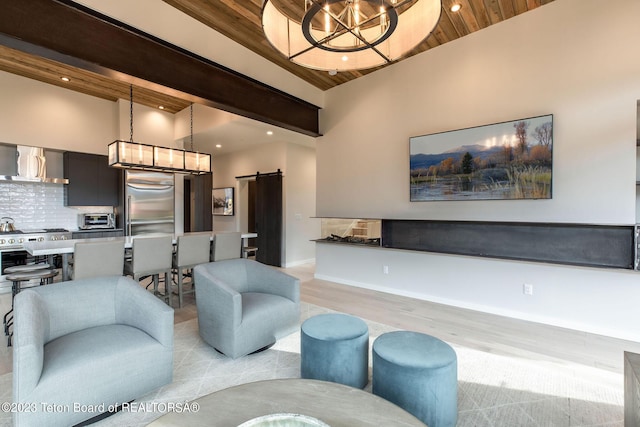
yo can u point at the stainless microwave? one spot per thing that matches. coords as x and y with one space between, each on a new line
88 221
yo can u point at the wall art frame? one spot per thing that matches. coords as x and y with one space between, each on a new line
500 161
223 201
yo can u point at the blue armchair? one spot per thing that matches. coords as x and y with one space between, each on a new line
244 306
94 342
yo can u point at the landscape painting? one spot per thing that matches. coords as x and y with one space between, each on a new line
222 201
508 160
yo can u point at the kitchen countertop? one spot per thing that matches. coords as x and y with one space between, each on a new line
96 230
66 247
53 247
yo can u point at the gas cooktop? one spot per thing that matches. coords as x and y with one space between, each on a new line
36 231
14 239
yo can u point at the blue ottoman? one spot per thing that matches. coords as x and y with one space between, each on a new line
419 373
335 347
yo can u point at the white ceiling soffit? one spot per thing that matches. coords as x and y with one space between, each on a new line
213 127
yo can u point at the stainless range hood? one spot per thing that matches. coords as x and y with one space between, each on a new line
26 164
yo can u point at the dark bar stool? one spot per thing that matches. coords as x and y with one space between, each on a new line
24 273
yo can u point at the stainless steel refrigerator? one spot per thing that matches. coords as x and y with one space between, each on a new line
147 203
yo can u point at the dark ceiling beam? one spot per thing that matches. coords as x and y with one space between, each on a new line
70 33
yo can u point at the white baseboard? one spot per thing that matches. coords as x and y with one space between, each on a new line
301 262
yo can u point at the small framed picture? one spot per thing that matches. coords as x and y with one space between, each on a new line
223 201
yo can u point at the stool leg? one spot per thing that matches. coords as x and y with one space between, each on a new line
180 284
6 319
167 286
156 282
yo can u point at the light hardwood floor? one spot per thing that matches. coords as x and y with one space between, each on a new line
473 329
476 330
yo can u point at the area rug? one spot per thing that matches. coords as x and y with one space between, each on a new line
494 390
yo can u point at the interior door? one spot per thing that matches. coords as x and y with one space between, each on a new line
201 186
268 214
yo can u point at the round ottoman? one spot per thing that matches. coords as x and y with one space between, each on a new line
335 347
419 373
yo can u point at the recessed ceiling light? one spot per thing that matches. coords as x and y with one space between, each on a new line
161 107
345 58
65 79
218 146
456 7
269 132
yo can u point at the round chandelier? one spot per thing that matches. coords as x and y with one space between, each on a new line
339 35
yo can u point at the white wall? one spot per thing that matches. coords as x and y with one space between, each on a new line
297 164
300 208
43 115
571 58
150 125
263 158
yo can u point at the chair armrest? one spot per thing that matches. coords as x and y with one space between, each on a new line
138 308
31 329
222 301
270 281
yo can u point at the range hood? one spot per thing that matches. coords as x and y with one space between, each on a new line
30 165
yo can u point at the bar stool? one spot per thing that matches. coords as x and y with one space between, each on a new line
95 259
191 250
14 290
152 256
24 273
226 246
249 251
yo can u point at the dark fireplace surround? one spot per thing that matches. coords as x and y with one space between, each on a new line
591 245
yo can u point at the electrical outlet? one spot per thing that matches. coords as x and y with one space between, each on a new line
385 269
527 289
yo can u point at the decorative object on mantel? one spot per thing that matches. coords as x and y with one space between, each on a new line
134 155
508 160
351 230
339 35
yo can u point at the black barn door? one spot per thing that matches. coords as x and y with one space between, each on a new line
269 218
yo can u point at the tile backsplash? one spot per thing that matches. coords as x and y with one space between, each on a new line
39 205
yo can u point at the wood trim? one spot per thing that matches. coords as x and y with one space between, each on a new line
72 34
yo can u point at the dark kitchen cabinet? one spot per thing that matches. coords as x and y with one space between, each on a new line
91 181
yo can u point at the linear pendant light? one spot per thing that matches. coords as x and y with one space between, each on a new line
134 155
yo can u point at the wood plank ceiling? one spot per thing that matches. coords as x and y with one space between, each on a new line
240 21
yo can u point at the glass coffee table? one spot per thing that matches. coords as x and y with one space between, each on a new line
334 404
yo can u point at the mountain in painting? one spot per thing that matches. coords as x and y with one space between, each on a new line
423 161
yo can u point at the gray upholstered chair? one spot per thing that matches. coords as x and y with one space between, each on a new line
226 245
244 306
97 341
152 256
191 250
99 258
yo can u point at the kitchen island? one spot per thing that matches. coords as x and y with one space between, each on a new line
66 247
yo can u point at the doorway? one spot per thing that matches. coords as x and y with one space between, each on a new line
269 217
197 203
189 198
264 214
251 212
